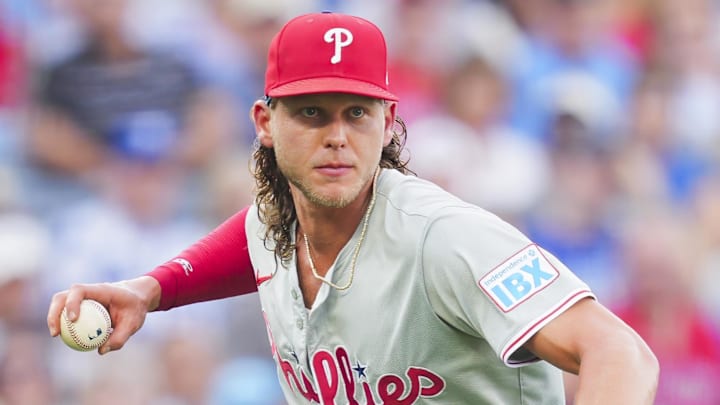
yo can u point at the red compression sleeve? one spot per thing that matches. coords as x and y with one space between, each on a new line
217 266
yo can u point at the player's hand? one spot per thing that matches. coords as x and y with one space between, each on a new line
128 303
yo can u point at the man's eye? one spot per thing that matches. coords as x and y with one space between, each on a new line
310 112
357 112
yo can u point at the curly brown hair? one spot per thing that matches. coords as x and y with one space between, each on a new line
276 208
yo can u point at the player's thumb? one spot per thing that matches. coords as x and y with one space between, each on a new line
118 338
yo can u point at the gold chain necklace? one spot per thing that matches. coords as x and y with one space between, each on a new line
366 219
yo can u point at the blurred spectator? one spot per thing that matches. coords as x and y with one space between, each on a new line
24 245
662 308
417 60
228 186
128 377
630 22
641 174
652 163
467 148
24 249
566 37
25 377
187 360
689 56
112 96
498 27
573 218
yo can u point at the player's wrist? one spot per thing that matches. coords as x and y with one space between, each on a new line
147 289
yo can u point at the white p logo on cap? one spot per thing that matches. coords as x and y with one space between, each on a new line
342 37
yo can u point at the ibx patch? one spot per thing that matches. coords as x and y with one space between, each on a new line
518 278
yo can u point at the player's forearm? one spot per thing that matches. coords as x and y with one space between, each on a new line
624 371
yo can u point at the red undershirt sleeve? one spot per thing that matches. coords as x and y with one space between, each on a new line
217 266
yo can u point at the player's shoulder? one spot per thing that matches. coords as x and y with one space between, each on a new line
413 201
414 196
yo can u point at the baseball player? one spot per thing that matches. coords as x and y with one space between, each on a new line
378 287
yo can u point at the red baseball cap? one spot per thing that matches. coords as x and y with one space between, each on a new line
328 53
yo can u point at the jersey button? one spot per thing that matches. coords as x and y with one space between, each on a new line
294 294
299 323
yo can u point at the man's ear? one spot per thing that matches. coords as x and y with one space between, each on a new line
390 114
260 116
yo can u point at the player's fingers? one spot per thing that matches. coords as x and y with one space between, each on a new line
118 337
75 295
101 293
55 309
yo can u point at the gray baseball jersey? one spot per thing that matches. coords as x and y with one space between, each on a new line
444 296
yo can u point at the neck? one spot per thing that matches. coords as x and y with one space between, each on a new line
319 275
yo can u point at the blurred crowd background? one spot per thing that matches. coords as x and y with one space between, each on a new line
592 125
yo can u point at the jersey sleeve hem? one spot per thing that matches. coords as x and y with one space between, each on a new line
516 342
168 286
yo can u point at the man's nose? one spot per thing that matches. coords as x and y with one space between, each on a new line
336 134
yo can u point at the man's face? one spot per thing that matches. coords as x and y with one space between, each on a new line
327 145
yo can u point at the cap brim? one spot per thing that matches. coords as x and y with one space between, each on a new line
331 85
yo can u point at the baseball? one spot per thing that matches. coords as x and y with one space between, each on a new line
91 329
